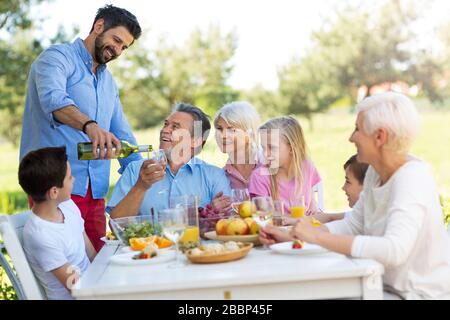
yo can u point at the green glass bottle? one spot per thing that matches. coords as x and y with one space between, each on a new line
85 150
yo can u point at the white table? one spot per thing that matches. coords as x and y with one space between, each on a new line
262 274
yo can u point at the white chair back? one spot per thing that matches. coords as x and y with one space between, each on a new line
319 196
11 230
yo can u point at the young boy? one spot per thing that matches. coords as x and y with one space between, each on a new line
354 179
54 239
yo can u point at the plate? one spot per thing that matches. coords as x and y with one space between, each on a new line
128 249
220 257
126 259
251 238
286 248
111 242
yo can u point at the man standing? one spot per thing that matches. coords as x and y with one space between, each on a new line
72 98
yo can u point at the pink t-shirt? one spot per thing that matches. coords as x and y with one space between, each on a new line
259 185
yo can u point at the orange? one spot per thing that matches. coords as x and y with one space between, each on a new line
139 244
164 243
315 222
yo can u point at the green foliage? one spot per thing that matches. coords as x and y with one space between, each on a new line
11 202
151 82
18 49
7 291
267 102
14 59
364 45
16 54
306 89
14 14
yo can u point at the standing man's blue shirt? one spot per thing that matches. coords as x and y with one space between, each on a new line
195 178
62 76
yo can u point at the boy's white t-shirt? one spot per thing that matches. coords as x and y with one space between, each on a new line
49 245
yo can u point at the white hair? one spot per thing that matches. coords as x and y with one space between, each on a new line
394 112
242 115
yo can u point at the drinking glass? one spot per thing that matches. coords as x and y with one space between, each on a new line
191 237
297 207
278 213
173 222
160 156
264 210
237 197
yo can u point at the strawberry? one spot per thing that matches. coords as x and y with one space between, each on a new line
297 244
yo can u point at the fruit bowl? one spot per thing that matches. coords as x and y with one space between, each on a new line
248 238
224 256
134 227
208 218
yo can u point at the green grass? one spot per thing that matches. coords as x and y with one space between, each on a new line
328 145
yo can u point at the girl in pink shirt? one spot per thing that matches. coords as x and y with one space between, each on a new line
288 174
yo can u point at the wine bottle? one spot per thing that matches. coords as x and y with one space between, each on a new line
85 150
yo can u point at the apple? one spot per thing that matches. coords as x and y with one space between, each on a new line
237 227
252 225
246 209
221 227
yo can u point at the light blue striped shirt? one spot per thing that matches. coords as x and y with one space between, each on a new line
194 178
62 76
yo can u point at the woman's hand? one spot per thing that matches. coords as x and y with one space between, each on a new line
305 230
271 235
221 203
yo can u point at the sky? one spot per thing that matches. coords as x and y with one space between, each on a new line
270 32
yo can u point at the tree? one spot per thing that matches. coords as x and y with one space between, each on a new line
307 86
444 57
16 61
152 81
16 55
14 14
18 49
267 103
364 45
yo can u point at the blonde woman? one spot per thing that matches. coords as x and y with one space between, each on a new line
288 174
397 219
236 126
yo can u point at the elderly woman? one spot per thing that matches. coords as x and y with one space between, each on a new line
236 126
397 219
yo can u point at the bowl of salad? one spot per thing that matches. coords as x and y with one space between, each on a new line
134 227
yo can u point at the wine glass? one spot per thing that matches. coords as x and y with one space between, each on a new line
278 213
237 197
264 210
173 222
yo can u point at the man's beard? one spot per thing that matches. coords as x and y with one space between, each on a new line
100 49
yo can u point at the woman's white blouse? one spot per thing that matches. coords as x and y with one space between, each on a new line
400 224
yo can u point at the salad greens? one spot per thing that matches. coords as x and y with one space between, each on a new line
140 230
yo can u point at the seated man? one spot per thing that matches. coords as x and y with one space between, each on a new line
54 239
146 184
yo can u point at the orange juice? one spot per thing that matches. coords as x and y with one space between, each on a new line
297 212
